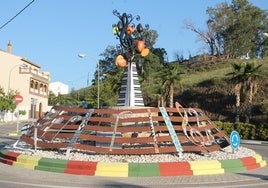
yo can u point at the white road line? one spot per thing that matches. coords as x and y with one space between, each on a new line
37 185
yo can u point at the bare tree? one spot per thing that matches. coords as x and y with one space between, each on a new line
179 56
207 36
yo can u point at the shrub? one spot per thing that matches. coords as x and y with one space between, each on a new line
22 112
246 131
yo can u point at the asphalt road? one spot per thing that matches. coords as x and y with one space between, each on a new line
13 177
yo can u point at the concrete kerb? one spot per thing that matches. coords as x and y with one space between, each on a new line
118 169
257 142
187 168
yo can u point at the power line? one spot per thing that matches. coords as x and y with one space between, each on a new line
17 14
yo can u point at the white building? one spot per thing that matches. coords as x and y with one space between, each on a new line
58 88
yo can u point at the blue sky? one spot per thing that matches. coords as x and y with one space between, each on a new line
51 33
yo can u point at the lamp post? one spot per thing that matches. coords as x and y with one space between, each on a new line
98 77
9 76
8 91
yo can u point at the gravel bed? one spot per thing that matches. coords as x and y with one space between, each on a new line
224 154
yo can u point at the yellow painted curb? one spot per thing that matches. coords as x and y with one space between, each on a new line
14 134
263 163
112 169
24 165
258 158
26 161
205 165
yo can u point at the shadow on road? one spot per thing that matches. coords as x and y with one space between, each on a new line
7 140
118 185
260 176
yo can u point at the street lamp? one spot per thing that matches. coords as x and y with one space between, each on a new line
9 76
98 84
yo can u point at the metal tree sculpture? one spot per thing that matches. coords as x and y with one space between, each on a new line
131 39
131 43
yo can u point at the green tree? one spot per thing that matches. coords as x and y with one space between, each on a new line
170 77
110 88
236 79
264 108
6 101
239 28
161 54
149 67
150 37
245 75
107 61
52 99
251 74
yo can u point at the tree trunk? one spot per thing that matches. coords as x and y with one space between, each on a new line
162 101
249 105
158 101
237 105
171 94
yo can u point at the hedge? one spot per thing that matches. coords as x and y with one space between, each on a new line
246 131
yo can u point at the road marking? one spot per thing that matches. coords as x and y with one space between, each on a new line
37 185
149 185
233 186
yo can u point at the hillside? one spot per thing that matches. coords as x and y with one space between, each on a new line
206 86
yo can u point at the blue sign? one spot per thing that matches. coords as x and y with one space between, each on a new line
235 140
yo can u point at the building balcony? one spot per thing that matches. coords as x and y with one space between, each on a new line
35 73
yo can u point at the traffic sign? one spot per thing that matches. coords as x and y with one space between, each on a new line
18 99
235 140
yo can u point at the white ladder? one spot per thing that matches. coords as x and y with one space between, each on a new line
171 130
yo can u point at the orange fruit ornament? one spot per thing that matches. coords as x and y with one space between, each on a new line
140 45
130 29
120 61
145 52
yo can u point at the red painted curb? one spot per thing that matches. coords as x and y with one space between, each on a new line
182 168
81 167
175 169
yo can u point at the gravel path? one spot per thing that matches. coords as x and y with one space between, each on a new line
224 154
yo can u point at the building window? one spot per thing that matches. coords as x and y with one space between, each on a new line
36 85
32 84
45 88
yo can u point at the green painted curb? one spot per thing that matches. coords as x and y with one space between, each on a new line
233 165
143 169
57 163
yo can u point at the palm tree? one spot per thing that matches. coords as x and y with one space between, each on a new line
170 76
245 75
236 78
251 74
159 94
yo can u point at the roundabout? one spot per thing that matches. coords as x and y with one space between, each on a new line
138 169
16 177
129 140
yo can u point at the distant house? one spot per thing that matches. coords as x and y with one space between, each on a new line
58 88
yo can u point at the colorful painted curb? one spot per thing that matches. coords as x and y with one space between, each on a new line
187 168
